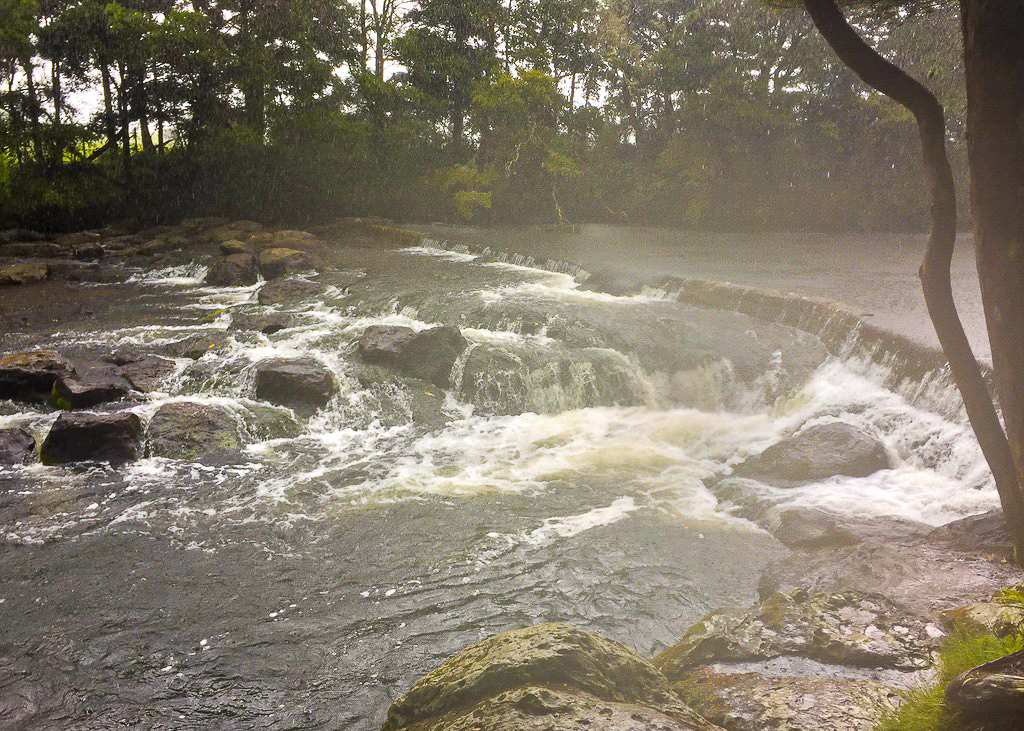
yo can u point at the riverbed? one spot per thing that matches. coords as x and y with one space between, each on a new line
566 474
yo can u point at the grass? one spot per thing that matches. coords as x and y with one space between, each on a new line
924 710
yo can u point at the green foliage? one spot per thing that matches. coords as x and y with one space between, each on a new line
924 710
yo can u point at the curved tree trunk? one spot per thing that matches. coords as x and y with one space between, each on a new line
895 83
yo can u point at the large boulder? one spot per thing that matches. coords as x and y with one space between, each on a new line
428 354
30 376
279 261
287 291
296 382
188 431
234 270
991 696
86 437
844 628
23 272
234 246
16 447
547 677
82 391
817 453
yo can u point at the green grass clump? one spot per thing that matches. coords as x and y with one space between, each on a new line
924 710
1010 595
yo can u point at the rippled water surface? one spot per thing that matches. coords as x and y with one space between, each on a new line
566 475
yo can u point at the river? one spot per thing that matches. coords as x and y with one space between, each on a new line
566 475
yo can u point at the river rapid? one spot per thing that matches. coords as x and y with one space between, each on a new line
568 474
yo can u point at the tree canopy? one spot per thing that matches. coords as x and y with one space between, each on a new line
711 114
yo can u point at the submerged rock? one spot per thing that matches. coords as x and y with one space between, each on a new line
547 677
234 270
817 453
24 272
197 346
428 354
86 437
990 696
286 291
755 702
846 628
16 447
278 262
268 323
188 431
295 382
30 376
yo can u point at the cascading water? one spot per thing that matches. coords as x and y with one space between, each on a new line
567 474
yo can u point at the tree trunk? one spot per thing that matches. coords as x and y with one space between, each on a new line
878 73
993 33
34 112
109 125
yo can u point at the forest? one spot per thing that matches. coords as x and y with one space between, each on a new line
704 114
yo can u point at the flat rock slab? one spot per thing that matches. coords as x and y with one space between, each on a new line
845 628
83 391
427 354
755 702
817 453
188 431
85 437
30 376
23 272
295 382
16 447
551 655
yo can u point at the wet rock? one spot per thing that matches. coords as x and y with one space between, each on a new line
77 238
153 246
810 529
547 673
197 346
82 391
817 453
287 291
755 702
187 430
295 382
23 272
234 246
16 447
91 250
145 373
246 225
86 437
268 323
12 235
120 243
278 262
264 422
235 270
30 376
990 696
924 579
40 250
847 628
1002 615
985 533
207 222
428 354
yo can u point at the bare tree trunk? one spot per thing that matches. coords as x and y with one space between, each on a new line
34 111
109 125
993 33
892 81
